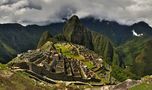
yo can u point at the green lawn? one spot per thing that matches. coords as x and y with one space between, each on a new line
143 86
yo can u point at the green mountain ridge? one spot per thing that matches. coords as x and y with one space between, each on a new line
136 55
75 32
21 38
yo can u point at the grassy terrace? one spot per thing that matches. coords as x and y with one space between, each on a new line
67 51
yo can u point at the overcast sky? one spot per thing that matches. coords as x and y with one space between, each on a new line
42 12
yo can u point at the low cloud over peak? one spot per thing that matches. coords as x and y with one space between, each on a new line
48 11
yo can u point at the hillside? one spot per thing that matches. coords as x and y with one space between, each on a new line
136 55
16 38
143 62
10 80
116 32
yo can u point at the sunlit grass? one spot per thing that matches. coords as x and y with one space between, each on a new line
89 64
67 51
143 86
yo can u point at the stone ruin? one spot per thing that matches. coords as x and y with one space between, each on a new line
54 65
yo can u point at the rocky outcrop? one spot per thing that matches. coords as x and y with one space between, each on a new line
75 32
46 36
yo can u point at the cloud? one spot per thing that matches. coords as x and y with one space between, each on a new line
48 11
136 34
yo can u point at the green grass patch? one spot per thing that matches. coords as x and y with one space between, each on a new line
143 86
67 51
89 64
20 81
3 67
46 46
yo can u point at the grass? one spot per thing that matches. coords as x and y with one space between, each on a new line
20 81
3 67
67 51
89 64
46 46
143 86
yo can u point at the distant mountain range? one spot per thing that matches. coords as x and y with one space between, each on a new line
15 38
116 32
122 45
127 49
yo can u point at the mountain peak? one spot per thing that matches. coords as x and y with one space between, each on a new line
74 19
141 23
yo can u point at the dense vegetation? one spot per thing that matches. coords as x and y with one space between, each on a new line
15 38
136 55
